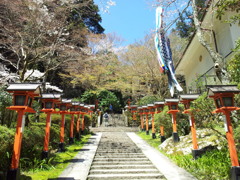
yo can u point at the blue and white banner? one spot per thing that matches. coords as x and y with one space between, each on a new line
164 53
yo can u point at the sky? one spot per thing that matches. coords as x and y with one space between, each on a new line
129 19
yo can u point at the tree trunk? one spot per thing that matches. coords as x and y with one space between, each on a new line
217 58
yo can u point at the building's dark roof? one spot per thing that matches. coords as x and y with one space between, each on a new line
222 89
25 87
150 105
188 96
51 96
171 100
159 103
66 101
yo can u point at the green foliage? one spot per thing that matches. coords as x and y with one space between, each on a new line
105 98
202 109
6 139
5 98
53 167
213 164
7 117
32 144
185 25
228 5
233 66
153 142
89 97
165 120
148 100
86 15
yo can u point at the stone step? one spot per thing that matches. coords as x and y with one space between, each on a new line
119 159
124 171
123 166
120 154
118 151
120 162
126 176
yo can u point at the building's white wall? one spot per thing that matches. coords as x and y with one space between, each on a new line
191 67
235 30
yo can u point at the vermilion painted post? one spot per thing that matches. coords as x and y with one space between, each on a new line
231 143
147 124
223 96
18 140
61 144
47 135
142 124
83 126
71 139
174 125
194 134
153 128
174 122
161 131
78 127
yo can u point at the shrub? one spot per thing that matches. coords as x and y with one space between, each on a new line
6 139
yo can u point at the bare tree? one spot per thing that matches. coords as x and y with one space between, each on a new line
37 35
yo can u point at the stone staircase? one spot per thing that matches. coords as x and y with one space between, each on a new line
117 157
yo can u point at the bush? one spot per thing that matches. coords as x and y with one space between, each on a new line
6 139
164 119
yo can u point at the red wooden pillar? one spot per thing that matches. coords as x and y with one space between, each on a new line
142 123
230 139
174 126
193 130
153 128
71 139
18 140
47 135
78 127
83 125
61 144
147 124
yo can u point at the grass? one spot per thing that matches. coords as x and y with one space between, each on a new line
213 165
57 163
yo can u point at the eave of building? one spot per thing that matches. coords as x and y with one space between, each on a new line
181 63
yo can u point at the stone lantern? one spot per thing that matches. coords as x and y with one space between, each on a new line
223 96
186 100
63 106
49 102
23 95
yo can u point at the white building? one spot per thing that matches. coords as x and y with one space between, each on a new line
196 62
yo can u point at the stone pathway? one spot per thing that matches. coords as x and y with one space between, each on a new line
117 157
118 153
